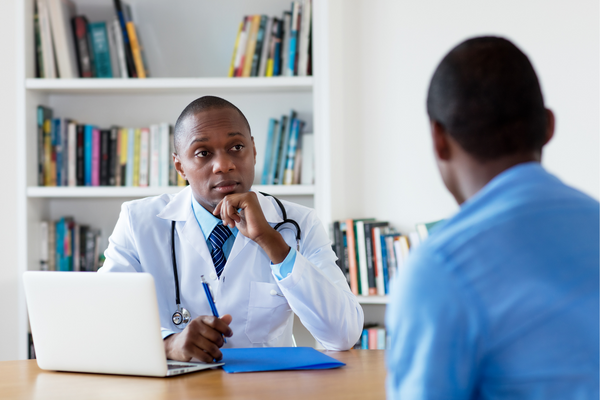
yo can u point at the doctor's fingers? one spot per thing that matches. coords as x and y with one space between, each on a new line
209 324
204 350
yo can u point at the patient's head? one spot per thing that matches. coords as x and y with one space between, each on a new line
485 100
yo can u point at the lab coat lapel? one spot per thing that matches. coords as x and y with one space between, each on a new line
270 211
180 209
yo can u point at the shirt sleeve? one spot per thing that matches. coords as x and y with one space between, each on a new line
433 326
284 268
166 333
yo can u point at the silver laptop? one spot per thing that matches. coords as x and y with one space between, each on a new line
102 323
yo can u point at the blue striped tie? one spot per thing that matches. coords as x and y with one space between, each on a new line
217 238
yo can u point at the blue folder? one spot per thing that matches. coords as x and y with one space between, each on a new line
276 359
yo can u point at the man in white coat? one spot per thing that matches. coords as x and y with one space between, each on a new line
225 233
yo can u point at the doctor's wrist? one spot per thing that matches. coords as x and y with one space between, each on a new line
274 245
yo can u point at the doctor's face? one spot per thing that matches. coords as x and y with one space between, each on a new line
216 155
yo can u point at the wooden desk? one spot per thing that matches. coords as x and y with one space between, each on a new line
362 378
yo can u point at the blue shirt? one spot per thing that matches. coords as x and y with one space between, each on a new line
501 302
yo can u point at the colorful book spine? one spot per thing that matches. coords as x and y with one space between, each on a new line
80 163
104 151
277 145
88 154
100 49
240 58
231 73
154 155
288 176
260 37
274 49
251 46
284 149
293 39
58 153
266 46
165 156
352 264
95 157
48 147
113 156
305 30
72 154
137 138
269 151
131 71
136 50
82 47
130 157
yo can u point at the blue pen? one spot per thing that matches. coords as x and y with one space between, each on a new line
211 301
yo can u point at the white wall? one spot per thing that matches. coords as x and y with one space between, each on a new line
385 52
8 182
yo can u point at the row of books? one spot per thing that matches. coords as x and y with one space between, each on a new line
370 252
73 154
373 338
69 246
274 46
68 46
289 154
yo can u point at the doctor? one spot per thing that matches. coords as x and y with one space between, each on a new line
225 232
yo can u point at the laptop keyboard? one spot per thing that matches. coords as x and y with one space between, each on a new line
176 366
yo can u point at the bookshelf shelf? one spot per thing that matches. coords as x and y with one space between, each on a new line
169 85
373 299
129 192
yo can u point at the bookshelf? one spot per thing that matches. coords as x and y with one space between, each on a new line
140 102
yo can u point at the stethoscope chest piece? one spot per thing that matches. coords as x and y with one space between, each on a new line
181 317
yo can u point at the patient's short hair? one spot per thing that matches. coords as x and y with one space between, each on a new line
201 104
486 95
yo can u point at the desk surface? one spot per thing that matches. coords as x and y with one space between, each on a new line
362 378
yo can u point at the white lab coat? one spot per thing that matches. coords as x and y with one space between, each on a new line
262 306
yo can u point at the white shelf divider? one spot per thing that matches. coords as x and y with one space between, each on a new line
373 299
169 85
107 191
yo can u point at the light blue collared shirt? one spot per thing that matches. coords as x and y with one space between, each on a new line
501 301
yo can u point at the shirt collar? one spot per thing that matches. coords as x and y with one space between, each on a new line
206 220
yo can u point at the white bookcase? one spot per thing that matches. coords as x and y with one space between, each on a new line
188 45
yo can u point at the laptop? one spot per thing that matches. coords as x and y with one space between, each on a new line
100 323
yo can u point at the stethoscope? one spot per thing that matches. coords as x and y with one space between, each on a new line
182 316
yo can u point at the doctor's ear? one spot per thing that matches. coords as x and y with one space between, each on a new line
178 165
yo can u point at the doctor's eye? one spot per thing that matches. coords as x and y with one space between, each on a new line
238 147
202 153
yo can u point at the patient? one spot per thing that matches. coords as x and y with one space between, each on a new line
501 302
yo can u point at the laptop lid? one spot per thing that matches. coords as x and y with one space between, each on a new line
89 322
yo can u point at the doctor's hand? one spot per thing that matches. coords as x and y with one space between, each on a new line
243 211
200 340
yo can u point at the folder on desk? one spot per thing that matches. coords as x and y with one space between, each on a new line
276 359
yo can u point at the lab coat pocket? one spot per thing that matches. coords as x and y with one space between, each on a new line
268 312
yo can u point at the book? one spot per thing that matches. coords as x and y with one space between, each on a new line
88 139
61 12
57 140
273 125
130 157
231 72
96 151
136 50
46 39
76 260
378 262
154 165
298 161
39 58
370 254
291 70
131 69
83 50
260 37
277 145
51 246
285 41
251 45
104 151
72 154
80 163
363 272
240 57
43 114
118 157
274 62
144 157
264 57
48 178
281 163
124 142
307 171
172 171
304 37
115 26
288 174
112 48
137 137
338 246
165 154
113 156
352 260
100 50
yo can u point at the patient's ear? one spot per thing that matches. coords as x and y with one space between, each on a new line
441 145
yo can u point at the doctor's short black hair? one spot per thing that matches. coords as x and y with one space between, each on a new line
203 103
486 95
